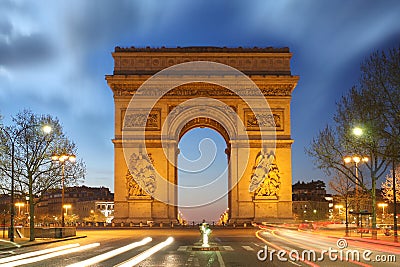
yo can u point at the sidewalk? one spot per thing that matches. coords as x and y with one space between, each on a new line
24 242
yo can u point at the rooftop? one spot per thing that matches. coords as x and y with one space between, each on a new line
204 49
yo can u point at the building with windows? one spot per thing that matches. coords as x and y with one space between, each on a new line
310 201
82 203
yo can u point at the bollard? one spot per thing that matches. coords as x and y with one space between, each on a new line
113 224
172 225
97 224
245 225
140 224
122 224
161 224
131 224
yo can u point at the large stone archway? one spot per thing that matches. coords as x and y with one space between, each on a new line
168 120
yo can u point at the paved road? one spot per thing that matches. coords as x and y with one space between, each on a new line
322 250
233 247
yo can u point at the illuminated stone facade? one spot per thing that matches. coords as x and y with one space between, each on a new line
269 173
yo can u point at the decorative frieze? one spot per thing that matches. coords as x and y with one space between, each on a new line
204 90
266 60
136 119
264 119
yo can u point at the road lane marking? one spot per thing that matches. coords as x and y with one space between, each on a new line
110 254
220 260
36 253
50 255
146 254
228 248
248 248
182 248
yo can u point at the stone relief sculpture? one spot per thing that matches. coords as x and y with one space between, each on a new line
265 180
141 179
137 119
134 189
267 120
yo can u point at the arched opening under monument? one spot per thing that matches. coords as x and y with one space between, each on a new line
202 160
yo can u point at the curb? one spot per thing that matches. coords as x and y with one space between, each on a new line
44 242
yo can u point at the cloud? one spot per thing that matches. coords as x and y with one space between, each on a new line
25 51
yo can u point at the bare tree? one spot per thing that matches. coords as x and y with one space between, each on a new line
373 107
26 158
387 186
349 194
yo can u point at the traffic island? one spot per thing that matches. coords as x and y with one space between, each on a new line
51 232
201 248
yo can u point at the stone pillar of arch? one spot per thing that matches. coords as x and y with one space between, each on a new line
268 68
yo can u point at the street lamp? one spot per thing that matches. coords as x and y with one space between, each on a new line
356 159
339 207
12 138
62 159
19 205
383 205
357 131
66 207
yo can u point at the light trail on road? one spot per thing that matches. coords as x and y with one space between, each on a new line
51 255
112 253
301 245
36 253
144 255
283 249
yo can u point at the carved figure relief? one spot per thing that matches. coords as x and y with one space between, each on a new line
135 119
141 179
134 189
265 180
263 120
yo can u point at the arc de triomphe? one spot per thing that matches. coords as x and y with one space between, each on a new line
162 93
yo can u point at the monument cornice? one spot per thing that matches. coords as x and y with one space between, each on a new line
251 61
269 86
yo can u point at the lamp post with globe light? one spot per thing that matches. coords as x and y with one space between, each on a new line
383 205
62 159
356 160
12 137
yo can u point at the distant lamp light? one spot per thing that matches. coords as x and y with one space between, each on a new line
356 159
63 158
347 159
47 129
357 131
72 158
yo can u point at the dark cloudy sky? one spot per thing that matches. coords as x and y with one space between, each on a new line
54 55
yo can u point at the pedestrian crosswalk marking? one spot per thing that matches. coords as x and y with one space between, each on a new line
221 248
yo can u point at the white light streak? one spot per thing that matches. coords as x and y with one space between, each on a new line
145 254
111 253
49 256
36 253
